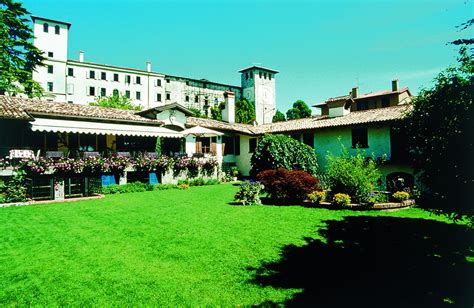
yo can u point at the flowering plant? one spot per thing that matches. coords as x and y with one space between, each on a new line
317 196
164 163
118 163
145 163
401 196
249 193
209 165
180 164
34 167
96 165
341 199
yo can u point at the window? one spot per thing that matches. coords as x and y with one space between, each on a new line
116 77
269 76
50 69
138 95
103 92
308 139
49 86
196 99
229 145
158 97
70 71
168 96
385 102
70 88
127 93
252 144
251 75
158 82
56 29
91 91
92 74
103 76
138 80
265 75
187 83
167 81
260 74
128 78
246 76
359 137
45 27
362 106
70 102
50 54
237 145
186 98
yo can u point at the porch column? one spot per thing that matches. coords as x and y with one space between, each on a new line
190 145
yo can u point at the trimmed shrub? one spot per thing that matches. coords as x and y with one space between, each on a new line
317 196
355 176
288 186
249 193
341 200
280 151
401 196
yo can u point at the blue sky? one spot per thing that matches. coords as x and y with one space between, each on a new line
321 48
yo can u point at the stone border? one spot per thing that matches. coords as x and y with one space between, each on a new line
94 197
375 207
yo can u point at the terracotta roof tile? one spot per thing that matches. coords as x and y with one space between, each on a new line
210 123
23 108
353 118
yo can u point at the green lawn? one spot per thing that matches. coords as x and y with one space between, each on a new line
193 247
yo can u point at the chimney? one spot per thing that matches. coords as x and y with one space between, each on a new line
395 85
81 56
148 66
228 114
355 92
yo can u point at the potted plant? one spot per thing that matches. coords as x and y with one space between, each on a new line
234 171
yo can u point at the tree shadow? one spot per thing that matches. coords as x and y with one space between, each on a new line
378 262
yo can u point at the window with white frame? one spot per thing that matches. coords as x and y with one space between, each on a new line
70 88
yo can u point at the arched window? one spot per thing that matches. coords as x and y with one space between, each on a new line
45 27
56 29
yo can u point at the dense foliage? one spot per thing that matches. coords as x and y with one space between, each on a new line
18 56
279 117
15 190
116 101
244 111
280 151
354 175
216 111
300 110
287 186
441 142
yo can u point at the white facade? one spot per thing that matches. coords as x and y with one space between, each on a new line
82 82
258 85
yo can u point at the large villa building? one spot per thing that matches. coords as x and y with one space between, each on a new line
63 121
81 82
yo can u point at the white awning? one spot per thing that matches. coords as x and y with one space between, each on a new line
84 127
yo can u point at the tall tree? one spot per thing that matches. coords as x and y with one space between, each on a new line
279 116
441 140
300 110
116 101
18 56
244 111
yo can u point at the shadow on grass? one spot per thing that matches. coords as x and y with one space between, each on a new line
378 262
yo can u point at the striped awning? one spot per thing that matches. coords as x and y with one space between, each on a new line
101 128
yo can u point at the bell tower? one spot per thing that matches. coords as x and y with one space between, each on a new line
258 86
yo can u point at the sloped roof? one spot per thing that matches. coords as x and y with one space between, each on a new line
24 108
353 118
155 110
215 124
362 96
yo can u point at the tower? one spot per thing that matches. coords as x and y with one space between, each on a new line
51 37
258 86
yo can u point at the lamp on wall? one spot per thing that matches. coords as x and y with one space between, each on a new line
172 117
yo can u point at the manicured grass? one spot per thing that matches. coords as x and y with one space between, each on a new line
174 247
